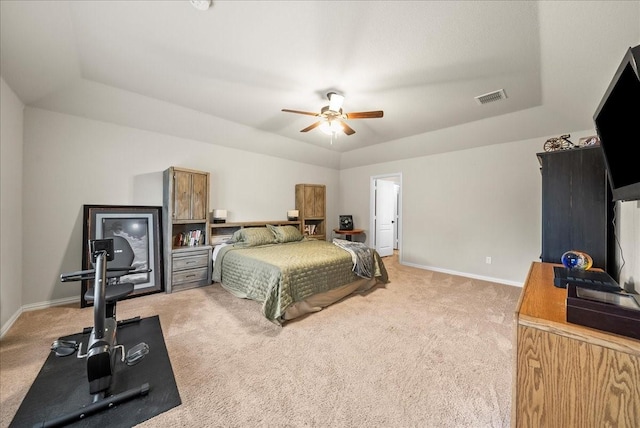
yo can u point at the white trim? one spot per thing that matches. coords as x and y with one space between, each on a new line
33 307
9 323
464 274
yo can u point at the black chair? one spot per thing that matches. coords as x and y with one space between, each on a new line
118 267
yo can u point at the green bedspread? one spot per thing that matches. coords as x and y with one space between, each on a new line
279 275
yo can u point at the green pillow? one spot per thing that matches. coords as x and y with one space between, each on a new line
253 236
284 234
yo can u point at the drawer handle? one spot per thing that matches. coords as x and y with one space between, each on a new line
190 276
191 262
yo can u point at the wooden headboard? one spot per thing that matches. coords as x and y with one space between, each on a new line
220 232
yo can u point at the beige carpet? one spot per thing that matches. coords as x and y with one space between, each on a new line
426 350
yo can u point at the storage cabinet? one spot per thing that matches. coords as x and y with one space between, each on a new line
568 375
577 207
310 202
190 195
186 227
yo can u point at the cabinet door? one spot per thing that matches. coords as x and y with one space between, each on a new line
314 201
182 195
589 213
199 197
318 204
556 206
309 201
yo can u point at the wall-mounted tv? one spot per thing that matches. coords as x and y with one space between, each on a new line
617 122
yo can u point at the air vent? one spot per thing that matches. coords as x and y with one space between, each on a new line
491 97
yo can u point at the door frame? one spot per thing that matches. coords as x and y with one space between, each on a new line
396 177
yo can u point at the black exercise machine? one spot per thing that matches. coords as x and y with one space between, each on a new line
102 345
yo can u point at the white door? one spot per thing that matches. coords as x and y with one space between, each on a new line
385 216
396 217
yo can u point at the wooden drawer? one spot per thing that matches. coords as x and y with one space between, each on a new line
191 275
190 261
190 267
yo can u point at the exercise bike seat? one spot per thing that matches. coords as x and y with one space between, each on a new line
112 292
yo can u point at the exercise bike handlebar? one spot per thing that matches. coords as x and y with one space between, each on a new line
88 274
99 275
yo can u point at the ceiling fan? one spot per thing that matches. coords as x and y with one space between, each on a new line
332 116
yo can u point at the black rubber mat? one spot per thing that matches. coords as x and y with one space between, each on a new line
62 386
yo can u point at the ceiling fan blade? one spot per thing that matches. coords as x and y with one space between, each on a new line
365 114
347 129
300 112
312 126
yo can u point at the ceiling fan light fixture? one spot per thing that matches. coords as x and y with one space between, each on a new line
201 4
331 117
335 101
331 127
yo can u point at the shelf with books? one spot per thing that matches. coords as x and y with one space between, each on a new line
189 238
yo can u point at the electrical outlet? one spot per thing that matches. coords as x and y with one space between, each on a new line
487 260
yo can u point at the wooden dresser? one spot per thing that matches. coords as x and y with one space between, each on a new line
567 375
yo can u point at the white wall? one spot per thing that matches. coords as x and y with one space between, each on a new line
70 161
462 206
459 207
11 141
628 231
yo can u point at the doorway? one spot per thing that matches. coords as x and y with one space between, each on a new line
386 213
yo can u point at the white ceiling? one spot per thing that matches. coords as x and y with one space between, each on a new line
165 66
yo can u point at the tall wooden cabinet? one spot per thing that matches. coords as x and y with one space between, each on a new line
577 207
187 252
310 202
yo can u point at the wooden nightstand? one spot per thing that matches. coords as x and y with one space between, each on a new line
348 233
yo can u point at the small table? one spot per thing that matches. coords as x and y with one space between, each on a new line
348 233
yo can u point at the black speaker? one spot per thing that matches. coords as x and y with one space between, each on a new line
346 222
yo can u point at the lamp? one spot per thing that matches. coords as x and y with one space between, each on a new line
219 216
292 215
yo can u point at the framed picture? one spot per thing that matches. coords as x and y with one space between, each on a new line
141 227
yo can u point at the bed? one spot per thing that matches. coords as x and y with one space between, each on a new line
293 275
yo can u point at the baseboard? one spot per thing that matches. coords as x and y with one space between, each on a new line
33 307
9 323
464 274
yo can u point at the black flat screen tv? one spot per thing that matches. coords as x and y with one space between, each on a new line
617 122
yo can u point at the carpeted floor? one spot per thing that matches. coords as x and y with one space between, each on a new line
427 349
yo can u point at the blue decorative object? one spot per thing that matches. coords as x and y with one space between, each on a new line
577 260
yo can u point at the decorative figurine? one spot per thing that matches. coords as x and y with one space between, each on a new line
577 260
558 143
